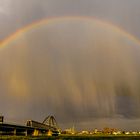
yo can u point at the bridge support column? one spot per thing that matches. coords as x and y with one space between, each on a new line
36 132
49 133
15 131
1 132
26 132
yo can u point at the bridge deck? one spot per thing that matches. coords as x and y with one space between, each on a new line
13 129
32 127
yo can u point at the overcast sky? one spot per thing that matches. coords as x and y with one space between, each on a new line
85 74
16 14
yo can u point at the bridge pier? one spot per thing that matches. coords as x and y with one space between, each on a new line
26 132
15 131
49 133
36 132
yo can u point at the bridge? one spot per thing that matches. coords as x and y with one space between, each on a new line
48 127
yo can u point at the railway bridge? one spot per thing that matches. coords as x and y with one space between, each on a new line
48 127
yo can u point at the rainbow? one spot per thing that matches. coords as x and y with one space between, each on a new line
33 25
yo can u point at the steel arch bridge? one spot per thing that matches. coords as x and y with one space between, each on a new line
51 122
49 127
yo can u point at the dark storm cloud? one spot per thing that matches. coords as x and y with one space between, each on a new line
70 72
78 70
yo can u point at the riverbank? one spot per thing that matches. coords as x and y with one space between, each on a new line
109 137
